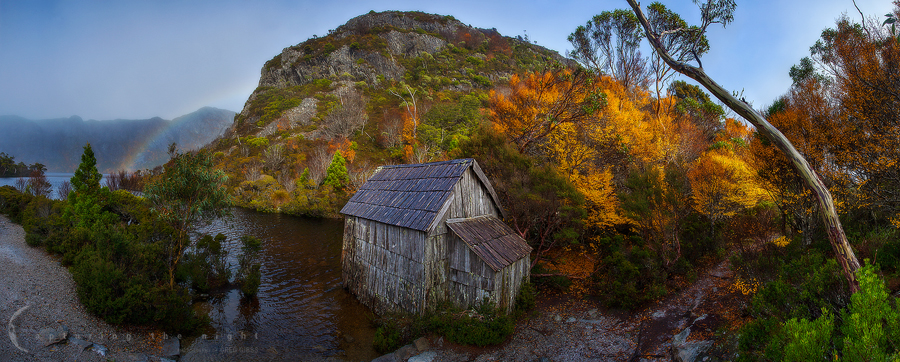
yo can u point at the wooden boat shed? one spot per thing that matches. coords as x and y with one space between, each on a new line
418 235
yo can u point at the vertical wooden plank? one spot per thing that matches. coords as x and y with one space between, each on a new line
455 256
421 251
388 266
359 227
404 242
419 238
469 191
417 272
470 257
382 235
394 239
374 231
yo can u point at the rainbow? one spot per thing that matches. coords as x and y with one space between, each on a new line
151 141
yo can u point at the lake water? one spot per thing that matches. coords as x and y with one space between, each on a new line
301 313
55 178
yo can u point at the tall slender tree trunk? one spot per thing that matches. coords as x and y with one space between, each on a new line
842 250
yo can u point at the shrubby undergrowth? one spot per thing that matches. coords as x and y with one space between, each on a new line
119 252
480 326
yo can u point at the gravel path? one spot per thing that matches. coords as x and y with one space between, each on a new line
37 293
575 329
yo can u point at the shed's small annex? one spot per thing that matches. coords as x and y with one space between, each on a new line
417 235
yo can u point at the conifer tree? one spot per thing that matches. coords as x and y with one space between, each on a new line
336 175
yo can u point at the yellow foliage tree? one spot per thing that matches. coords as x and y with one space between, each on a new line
602 205
574 156
650 139
723 185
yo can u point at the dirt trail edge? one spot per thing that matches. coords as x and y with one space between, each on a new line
682 327
43 318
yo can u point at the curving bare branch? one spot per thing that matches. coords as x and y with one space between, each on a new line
720 12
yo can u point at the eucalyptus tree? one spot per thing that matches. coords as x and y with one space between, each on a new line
610 43
187 195
722 12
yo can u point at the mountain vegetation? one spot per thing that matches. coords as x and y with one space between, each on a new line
120 144
606 155
384 88
627 182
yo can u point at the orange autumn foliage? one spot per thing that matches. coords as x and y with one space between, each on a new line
538 103
344 146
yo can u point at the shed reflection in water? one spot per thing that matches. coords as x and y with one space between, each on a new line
301 312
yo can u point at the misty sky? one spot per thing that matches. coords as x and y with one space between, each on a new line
140 59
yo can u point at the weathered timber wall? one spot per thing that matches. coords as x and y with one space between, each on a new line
469 199
383 265
508 282
471 280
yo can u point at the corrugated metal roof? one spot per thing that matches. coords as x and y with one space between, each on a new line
409 196
492 240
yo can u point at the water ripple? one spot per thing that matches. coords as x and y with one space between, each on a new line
301 309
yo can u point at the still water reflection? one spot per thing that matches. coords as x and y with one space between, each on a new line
301 312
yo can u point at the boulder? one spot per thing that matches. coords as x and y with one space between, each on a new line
427 356
684 351
51 335
421 344
82 344
390 357
405 352
171 348
100 349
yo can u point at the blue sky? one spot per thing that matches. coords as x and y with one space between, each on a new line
140 59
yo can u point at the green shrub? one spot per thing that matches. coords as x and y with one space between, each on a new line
796 283
257 141
206 266
13 202
481 80
886 242
123 281
33 239
387 337
484 326
525 299
808 341
336 176
631 274
39 218
871 321
869 327
273 63
105 290
475 61
249 276
250 283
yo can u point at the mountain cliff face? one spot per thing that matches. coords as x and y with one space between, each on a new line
374 38
390 87
118 144
376 50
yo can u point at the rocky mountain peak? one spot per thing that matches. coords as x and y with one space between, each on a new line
408 21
